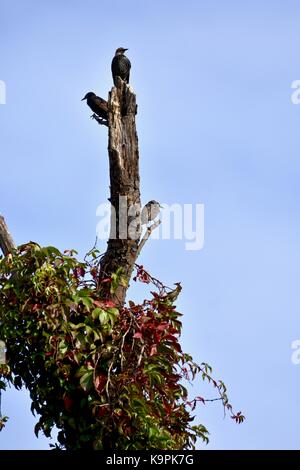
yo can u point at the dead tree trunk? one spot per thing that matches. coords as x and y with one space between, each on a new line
122 248
6 242
124 244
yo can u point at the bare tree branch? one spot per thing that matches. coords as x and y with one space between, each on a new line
147 234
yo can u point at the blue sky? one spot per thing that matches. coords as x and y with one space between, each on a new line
216 126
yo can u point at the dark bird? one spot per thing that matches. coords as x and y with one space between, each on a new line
120 66
150 211
97 105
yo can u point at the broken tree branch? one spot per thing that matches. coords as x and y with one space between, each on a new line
7 244
147 234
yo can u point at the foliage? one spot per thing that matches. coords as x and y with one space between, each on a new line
107 378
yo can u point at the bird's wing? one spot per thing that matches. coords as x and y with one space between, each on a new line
128 63
114 65
129 67
144 215
101 103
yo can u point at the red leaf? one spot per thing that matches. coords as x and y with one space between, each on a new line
138 334
81 271
171 338
177 347
102 410
100 382
153 350
94 273
163 326
68 402
145 278
168 408
104 303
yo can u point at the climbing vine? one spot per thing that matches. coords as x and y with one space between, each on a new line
105 377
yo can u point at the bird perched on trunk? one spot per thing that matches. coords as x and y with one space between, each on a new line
120 66
150 211
98 106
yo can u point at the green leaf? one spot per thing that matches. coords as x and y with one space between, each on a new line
103 317
87 302
86 381
113 312
76 327
96 312
89 330
152 432
51 250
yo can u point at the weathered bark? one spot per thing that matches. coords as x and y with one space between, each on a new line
123 154
6 242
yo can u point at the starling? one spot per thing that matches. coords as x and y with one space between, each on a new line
120 66
173 294
97 105
150 211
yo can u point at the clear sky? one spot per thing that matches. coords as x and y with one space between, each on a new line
216 126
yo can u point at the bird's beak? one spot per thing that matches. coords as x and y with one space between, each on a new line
125 49
83 99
